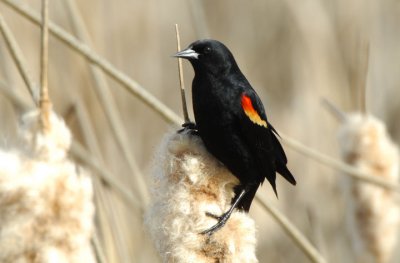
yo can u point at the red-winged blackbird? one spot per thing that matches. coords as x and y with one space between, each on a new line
231 121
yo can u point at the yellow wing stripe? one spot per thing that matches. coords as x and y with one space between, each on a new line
250 112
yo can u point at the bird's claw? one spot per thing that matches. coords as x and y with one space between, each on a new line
189 127
221 222
213 216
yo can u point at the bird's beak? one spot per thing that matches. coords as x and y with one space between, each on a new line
188 53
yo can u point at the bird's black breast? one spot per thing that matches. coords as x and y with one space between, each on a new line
216 105
214 101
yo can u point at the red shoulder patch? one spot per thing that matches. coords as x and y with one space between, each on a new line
250 112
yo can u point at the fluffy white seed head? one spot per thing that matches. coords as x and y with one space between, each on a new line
53 145
188 182
375 215
46 207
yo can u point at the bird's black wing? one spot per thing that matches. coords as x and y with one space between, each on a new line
261 138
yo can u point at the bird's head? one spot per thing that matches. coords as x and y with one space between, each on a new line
208 55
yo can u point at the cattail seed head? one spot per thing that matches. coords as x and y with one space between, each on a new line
375 215
46 207
188 182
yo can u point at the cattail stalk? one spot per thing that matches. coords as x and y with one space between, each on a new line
18 58
44 101
181 79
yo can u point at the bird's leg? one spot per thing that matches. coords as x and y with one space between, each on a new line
189 127
225 216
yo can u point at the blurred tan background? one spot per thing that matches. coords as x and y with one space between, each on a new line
294 53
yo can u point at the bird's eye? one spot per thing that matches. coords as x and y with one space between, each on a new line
207 50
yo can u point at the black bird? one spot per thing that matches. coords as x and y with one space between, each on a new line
231 121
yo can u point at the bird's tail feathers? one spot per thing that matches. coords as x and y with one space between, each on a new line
284 171
272 181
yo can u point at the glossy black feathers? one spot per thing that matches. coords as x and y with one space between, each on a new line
231 120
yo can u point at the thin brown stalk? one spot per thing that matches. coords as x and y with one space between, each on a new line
364 63
6 67
18 57
44 100
339 165
87 129
301 241
335 111
120 234
18 101
104 226
129 84
181 80
106 100
97 249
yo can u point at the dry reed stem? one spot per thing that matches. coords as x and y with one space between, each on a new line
365 143
181 79
6 67
105 225
18 58
18 101
129 84
87 129
349 170
300 240
335 111
44 99
98 249
108 103
363 75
